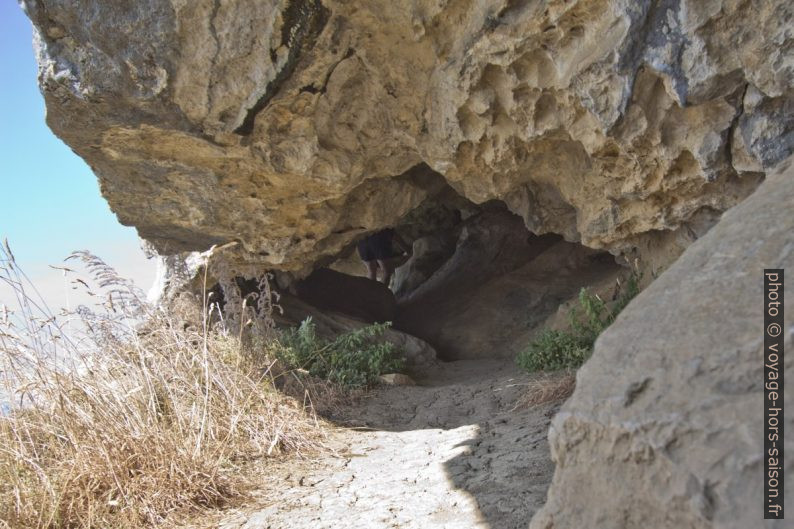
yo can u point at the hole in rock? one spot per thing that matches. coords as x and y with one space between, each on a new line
477 284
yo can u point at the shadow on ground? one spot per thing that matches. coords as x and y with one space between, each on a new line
504 463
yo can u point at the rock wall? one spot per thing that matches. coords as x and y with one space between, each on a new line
665 427
500 282
292 127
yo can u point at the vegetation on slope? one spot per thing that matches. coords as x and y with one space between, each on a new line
353 359
555 349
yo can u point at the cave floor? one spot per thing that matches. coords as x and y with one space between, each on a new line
453 451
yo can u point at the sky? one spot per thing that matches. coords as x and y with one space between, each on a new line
50 203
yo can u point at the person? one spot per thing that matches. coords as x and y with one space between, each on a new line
377 253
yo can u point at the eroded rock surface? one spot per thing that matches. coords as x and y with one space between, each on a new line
500 283
296 126
665 426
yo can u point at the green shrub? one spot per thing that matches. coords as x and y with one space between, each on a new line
552 350
352 359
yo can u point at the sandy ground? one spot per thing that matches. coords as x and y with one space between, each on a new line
451 452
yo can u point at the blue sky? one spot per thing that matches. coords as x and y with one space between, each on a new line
50 203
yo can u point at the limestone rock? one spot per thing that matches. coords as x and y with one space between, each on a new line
665 427
501 282
358 297
397 379
429 253
294 127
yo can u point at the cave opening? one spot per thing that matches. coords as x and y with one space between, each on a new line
478 284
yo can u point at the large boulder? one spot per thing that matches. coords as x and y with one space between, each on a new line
294 127
354 296
427 256
665 428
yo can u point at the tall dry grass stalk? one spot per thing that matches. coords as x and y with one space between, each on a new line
133 416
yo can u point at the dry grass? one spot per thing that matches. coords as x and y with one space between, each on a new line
548 387
323 397
133 419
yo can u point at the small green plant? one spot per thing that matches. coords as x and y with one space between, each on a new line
552 349
353 359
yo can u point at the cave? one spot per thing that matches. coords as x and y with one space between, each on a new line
478 284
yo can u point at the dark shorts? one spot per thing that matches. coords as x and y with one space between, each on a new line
377 246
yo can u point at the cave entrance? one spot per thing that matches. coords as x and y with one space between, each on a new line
479 284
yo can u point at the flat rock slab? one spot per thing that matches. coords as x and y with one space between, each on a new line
451 452
358 297
397 379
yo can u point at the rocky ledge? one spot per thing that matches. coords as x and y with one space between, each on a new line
294 127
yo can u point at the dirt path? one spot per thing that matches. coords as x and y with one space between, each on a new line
448 453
